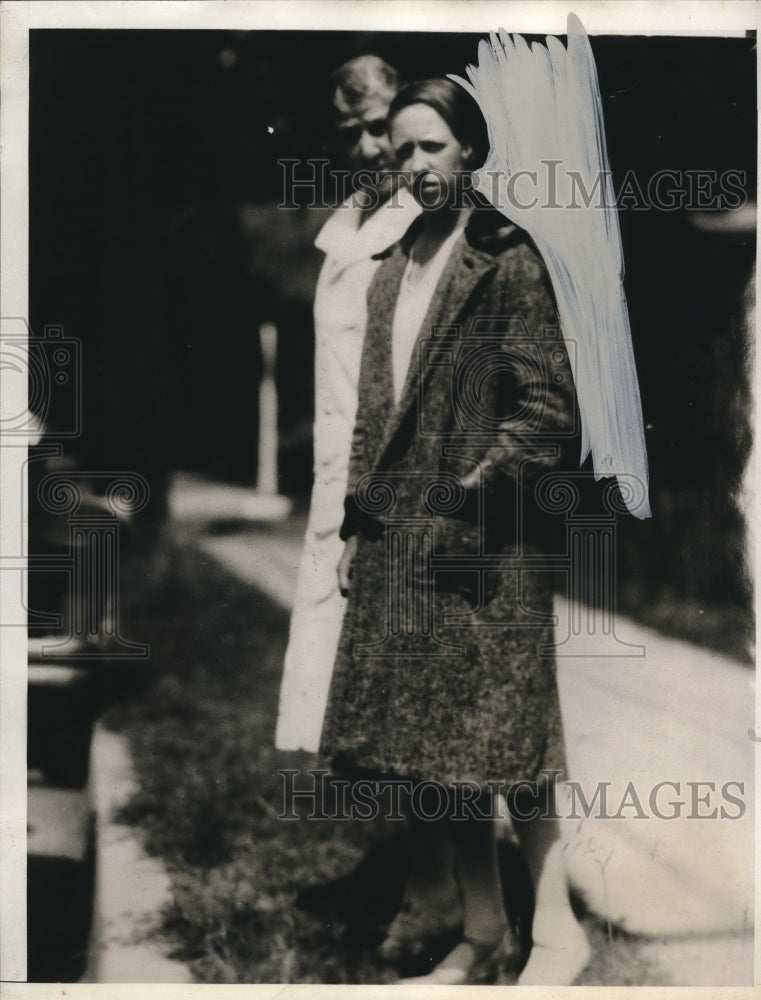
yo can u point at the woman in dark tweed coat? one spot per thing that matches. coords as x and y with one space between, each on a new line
439 675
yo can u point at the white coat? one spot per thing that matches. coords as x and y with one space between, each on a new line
340 318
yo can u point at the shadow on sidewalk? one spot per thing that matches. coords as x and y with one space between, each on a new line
367 899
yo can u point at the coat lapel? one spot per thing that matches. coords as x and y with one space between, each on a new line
464 270
380 315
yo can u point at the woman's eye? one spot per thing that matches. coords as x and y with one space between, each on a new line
403 152
349 136
432 147
377 127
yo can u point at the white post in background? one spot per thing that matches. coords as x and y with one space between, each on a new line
266 480
266 503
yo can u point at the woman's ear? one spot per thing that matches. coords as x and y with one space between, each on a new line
468 155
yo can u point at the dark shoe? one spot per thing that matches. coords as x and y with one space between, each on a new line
473 963
415 929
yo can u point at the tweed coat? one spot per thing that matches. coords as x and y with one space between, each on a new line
440 673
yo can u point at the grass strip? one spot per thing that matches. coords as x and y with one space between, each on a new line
256 898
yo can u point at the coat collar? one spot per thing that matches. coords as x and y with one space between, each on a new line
347 238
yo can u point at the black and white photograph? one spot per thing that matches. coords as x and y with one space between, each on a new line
379 501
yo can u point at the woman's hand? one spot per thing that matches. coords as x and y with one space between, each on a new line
345 566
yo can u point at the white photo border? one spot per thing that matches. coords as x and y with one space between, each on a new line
670 17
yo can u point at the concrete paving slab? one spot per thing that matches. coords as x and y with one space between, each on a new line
702 961
192 498
131 888
58 822
667 734
55 675
268 563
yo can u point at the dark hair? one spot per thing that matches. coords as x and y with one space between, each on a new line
361 78
456 107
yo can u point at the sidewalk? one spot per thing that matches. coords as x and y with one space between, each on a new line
130 887
678 714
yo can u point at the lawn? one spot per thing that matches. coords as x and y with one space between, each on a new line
257 898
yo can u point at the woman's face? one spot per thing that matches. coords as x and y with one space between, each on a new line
425 147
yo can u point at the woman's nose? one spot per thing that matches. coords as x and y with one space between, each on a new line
418 162
369 146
